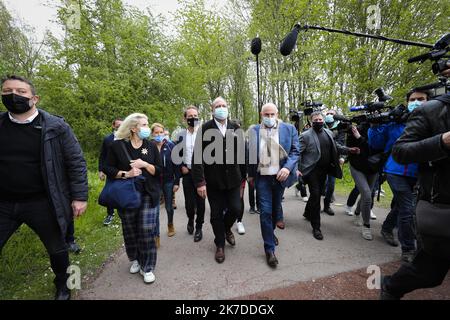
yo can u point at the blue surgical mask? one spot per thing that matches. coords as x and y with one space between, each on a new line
158 139
221 113
144 133
329 118
269 122
413 105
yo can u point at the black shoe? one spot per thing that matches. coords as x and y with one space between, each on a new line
272 261
408 256
229 236
276 240
317 234
108 220
62 293
198 235
384 294
329 211
73 247
252 211
190 228
389 238
306 217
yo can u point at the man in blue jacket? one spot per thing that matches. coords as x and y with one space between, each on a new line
43 175
273 156
402 179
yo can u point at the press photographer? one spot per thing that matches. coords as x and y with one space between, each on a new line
426 140
401 178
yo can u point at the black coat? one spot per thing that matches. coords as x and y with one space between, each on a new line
421 142
117 160
219 176
107 142
359 161
63 167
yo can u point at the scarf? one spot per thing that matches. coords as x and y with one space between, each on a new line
271 153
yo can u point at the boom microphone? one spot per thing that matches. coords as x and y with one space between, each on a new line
288 43
255 47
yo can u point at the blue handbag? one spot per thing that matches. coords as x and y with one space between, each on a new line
122 194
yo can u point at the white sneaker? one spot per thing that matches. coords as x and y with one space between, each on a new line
349 210
149 277
305 199
366 233
357 221
240 228
135 267
372 215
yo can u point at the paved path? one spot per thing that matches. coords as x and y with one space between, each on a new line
187 270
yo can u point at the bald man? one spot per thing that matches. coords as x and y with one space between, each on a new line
277 152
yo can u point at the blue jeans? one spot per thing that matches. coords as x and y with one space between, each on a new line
402 212
167 190
269 192
329 190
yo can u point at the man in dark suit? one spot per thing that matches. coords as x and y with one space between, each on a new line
216 172
107 141
319 157
182 156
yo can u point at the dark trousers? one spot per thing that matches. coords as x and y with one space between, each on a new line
110 211
353 196
241 211
426 271
301 187
316 182
39 216
195 205
251 195
221 219
329 190
402 210
167 190
70 234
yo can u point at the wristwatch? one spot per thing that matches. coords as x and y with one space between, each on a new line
123 175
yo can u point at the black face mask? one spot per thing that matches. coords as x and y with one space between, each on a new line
318 126
192 122
16 104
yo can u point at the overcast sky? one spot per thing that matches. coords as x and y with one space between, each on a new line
40 13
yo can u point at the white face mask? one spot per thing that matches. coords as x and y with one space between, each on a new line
269 122
221 113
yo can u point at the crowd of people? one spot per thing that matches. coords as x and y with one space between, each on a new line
45 179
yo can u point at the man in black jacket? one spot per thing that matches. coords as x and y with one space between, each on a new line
107 142
44 176
217 173
426 140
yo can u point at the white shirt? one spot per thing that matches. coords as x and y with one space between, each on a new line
274 167
28 120
222 127
190 142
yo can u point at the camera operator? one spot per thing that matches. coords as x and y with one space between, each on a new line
402 180
426 140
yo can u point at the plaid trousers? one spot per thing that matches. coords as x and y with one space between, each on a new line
139 232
